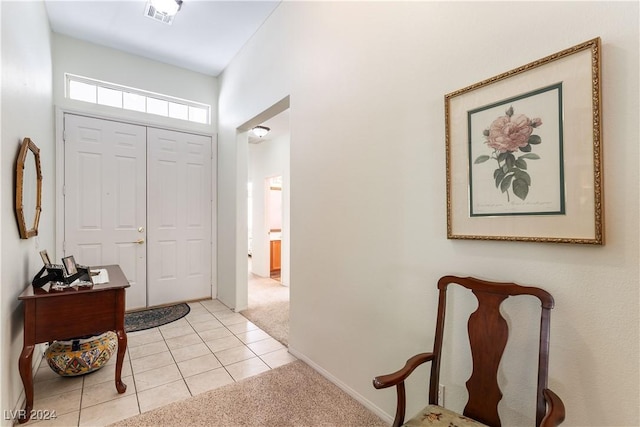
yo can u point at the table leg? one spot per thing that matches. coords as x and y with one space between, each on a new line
122 347
25 364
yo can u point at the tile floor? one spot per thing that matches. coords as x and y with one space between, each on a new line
210 347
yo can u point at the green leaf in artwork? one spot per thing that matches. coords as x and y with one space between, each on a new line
530 156
482 159
498 175
526 148
510 160
522 175
521 163
520 188
502 156
534 139
506 182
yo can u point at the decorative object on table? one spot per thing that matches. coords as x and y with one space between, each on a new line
99 276
523 152
70 265
28 189
51 273
154 317
82 355
45 257
59 274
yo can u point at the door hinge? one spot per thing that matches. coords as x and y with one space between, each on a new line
64 191
64 247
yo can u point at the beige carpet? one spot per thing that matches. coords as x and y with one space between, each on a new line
268 307
291 395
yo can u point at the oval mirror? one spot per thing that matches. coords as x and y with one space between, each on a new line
28 189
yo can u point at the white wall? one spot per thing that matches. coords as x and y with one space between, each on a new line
26 112
368 218
264 87
102 63
267 160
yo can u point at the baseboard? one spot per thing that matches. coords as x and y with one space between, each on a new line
351 392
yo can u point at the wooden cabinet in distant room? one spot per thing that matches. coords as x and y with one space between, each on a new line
275 255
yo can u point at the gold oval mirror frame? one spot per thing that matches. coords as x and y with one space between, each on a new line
28 189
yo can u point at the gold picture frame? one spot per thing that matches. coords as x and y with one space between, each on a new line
524 152
28 195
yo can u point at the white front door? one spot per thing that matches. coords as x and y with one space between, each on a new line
105 198
179 186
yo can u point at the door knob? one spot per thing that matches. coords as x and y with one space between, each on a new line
139 241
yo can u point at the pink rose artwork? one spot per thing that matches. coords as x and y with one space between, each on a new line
506 135
509 133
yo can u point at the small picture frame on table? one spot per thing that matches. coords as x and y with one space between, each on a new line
70 265
45 257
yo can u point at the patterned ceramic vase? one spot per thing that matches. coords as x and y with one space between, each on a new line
81 356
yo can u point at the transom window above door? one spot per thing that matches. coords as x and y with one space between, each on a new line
117 96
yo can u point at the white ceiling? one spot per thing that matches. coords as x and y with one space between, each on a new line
204 37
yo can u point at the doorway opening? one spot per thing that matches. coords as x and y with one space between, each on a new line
274 217
268 228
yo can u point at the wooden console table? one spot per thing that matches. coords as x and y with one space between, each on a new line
73 312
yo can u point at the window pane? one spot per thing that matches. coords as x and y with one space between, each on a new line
132 101
110 97
114 95
82 91
157 106
178 111
198 115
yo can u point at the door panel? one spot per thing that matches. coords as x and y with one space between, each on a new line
105 198
179 233
112 204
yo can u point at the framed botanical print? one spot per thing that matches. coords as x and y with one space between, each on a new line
524 152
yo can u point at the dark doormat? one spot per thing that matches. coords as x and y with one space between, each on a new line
153 317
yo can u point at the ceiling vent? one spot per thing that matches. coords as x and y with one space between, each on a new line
151 12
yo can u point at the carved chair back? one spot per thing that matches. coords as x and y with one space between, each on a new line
488 333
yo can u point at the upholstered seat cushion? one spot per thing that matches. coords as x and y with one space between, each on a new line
434 415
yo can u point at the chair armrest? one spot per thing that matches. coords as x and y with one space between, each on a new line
397 378
384 381
555 409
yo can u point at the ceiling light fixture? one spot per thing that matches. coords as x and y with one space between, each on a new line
168 7
162 10
260 131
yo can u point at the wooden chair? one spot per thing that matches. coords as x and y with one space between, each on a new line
488 332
